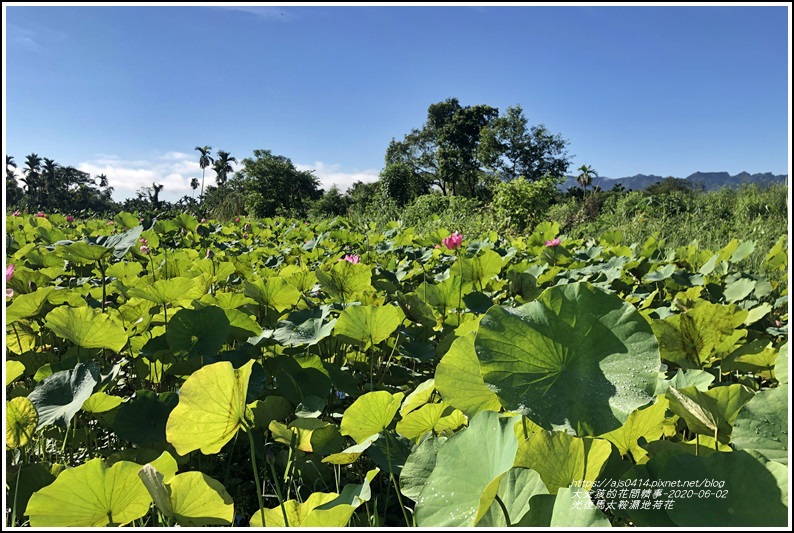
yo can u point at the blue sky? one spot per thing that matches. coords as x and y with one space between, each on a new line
130 91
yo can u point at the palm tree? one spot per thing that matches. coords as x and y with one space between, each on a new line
103 180
11 168
49 177
32 178
585 177
204 161
194 183
223 166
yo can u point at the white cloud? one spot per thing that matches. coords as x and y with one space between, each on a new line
173 170
332 174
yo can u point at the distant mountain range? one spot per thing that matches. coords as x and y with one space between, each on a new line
709 180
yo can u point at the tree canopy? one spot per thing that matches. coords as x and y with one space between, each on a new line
465 150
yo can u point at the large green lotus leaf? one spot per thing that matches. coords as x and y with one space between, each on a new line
646 423
564 509
273 292
91 495
577 358
447 294
227 300
170 291
297 378
211 408
61 395
459 381
303 328
124 269
712 412
368 325
562 459
516 488
479 269
119 244
21 421
27 305
345 280
762 425
739 290
193 499
297 513
202 331
419 465
14 370
87 328
370 414
416 310
101 402
241 326
143 419
706 331
755 491
420 396
757 313
469 464
82 252
756 357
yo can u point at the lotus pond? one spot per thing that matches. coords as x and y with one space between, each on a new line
279 373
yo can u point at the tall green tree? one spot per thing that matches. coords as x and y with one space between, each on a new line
205 160
52 189
464 150
223 166
274 186
511 148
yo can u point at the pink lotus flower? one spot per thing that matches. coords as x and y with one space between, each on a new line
69 218
144 241
9 273
247 226
203 220
245 235
454 241
210 254
353 258
41 214
110 222
15 213
553 242
144 249
237 219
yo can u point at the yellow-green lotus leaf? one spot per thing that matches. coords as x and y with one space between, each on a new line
14 369
87 327
211 408
91 495
21 421
101 402
192 498
370 414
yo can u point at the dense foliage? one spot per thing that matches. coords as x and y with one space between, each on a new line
277 372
